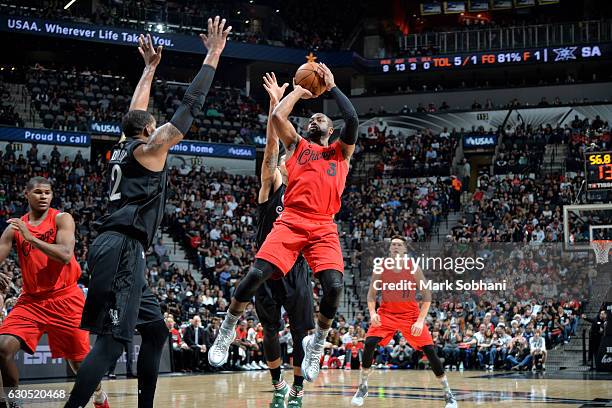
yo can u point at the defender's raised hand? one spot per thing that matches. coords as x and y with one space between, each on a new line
271 86
150 54
216 37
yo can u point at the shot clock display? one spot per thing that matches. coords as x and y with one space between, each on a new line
598 170
497 58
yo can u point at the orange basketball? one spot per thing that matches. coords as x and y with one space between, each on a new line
307 77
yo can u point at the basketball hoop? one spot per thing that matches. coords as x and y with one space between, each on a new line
601 248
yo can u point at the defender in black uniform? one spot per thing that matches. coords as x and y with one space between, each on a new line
293 292
119 299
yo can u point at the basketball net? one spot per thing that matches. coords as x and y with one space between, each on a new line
601 248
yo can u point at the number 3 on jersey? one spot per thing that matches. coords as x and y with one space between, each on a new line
332 169
115 181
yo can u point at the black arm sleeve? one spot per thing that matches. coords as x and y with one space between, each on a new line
193 100
348 133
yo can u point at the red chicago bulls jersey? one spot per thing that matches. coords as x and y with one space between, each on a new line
396 300
316 178
41 274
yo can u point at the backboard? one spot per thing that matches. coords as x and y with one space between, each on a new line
584 223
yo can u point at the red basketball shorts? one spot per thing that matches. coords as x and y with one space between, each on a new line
58 315
390 323
294 233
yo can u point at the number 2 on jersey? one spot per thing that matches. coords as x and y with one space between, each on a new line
115 181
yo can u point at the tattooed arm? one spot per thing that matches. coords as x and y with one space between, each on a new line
152 154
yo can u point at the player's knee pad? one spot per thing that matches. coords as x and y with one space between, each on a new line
259 273
434 360
271 344
154 333
331 283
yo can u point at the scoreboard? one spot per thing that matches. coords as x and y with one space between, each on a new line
488 59
598 171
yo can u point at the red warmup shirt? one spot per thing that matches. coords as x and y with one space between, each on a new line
355 348
41 274
240 334
176 336
396 301
316 178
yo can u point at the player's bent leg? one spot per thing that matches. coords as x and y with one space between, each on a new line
154 338
331 283
106 351
368 355
297 389
260 272
100 398
9 346
436 366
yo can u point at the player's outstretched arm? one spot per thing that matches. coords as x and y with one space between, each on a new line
63 248
348 133
280 117
270 174
152 57
152 155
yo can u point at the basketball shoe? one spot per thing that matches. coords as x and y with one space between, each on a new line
451 402
295 397
100 400
360 395
280 392
217 355
313 349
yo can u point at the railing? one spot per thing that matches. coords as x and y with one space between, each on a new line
584 349
506 38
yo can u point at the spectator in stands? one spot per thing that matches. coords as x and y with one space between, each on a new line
354 353
598 327
401 354
537 348
452 338
519 356
197 339
179 347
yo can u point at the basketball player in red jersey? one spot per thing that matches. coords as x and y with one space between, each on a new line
399 310
317 174
50 300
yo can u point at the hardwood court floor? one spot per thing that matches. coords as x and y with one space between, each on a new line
388 388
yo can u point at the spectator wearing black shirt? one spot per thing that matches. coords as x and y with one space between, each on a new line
198 340
598 327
